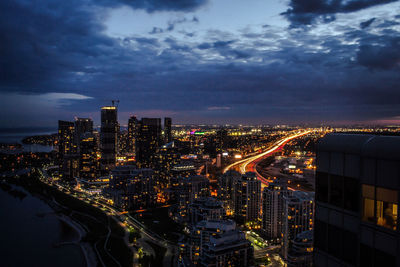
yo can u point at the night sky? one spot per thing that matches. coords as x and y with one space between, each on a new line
199 61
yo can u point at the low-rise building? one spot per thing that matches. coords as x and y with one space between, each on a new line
230 248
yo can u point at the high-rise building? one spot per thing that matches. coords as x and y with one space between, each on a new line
88 157
133 129
298 217
82 126
221 140
69 168
230 248
301 252
226 183
247 198
164 161
357 200
108 137
69 161
167 130
148 140
272 210
66 130
132 188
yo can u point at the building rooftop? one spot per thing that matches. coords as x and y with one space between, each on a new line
227 238
387 147
225 225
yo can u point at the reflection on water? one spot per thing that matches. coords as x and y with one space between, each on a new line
29 232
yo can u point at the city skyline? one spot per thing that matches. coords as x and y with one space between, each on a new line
198 61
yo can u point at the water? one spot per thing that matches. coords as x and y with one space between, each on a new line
16 135
27 239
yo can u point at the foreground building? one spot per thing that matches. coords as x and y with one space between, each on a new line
357 184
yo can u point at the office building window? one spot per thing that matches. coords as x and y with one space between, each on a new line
366 256
335 241
321 187
386 208
320 238
370 257
350 242
368 196
380 207
336 190
351 194
384 259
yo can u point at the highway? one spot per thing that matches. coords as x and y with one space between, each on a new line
249 164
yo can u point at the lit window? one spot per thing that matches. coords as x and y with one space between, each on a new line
384 202
386 208
368 194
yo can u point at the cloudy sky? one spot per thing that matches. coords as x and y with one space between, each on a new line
200 61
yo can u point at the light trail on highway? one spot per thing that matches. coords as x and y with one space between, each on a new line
243 164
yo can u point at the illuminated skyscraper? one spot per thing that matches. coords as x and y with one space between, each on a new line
108 137
133 128
66 131
167 130
148 141
272 210
226 188
87 159
69 162
247 197
82 126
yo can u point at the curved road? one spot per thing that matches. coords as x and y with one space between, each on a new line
249 164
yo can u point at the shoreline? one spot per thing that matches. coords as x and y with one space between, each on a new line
95 221
84 247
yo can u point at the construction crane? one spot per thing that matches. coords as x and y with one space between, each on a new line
115 103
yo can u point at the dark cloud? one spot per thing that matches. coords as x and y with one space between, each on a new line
367 23
305 12
172 24
382 53
271 77
42 41
156 5
156 30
